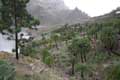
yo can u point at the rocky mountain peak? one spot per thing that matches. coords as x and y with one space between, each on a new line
54 12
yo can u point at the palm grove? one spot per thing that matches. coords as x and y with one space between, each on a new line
89 51
14 16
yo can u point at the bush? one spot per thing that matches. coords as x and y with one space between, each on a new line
108 38
28 50
7 71
47 57
100 57
113 72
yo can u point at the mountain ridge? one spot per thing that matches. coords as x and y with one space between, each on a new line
55 12
108 16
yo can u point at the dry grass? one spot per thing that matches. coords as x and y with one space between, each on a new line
5 55
28 68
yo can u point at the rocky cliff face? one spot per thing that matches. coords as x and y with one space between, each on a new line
55 12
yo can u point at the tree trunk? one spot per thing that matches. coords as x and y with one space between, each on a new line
66 42
16 33
73 67
16 45
16 39
56 45
84 55
82 75
82 60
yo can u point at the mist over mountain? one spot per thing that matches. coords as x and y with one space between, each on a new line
55 12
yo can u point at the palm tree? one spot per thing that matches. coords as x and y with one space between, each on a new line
78 48
108 38
56 38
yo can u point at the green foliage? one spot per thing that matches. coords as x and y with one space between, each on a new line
63 58
36 22
80 45
99 57
15 8
29 50
14 16
55 36
93 31
78 49
2 25
67 32
84 68
108 37
7 71
84 45
47 58
113 72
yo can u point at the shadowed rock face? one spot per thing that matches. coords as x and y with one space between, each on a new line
54 12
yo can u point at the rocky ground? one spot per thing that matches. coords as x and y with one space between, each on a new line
27 66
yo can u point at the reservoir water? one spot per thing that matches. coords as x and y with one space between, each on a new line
9 45
6 45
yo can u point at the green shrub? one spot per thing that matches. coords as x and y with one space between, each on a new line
48 60
100 57
108 38
47 57
83 67
28 50
113 72
7 71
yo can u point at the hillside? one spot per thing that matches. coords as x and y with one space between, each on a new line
67 45
112 15
30 68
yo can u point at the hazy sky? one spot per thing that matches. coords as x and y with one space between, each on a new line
93 7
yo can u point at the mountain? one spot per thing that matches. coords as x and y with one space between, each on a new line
77 16
55 12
